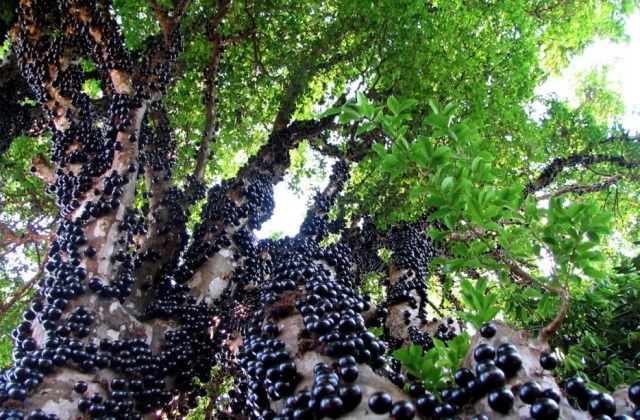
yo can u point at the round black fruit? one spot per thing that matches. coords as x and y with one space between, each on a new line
548 361
530 392
634 393
501 400
545 409
602 404
576 387
380 402
426 404
488 330
484 352
402 410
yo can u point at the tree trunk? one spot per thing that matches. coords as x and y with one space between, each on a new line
135 310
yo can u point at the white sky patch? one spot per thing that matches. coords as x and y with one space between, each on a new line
624 62
288 214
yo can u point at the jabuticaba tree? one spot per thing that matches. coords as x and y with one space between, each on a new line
170 123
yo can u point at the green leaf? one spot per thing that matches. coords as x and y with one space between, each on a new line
593 273
474 165
389 163
438 121
442 152
420 151
365 127
379 149
418 190
349 115
435 106
415 350
449 108
330 111
393 105
407 103
446 183
485 155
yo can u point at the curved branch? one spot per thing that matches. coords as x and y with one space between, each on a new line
562 314
9 237
551 171
6 305
169 22
583 189
273 157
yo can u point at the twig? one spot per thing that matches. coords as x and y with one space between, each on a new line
562 292
6 306
553 326
582 189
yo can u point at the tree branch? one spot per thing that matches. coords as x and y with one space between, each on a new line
583 189
6 305
42 170
210 109
551 171
273 157
17 239
168 23
562 314
523 275
625 137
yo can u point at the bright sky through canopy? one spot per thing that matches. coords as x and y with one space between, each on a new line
623 60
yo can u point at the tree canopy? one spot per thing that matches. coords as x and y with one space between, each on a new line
140 142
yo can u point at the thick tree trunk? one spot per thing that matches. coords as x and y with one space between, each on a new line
133 313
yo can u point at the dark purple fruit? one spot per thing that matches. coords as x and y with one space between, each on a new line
548 361
492 379
501 400
80 387
443 411
583 402
576 387
488 330
530 392
484 366
351 395
506 348
545 409
426 404
459 396
416 389
332 407
484 352
551 393
462 376
602 404
634 393
380 402
510 363
476 389
402 410
348 373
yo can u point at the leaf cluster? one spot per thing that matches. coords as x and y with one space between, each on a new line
435 367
